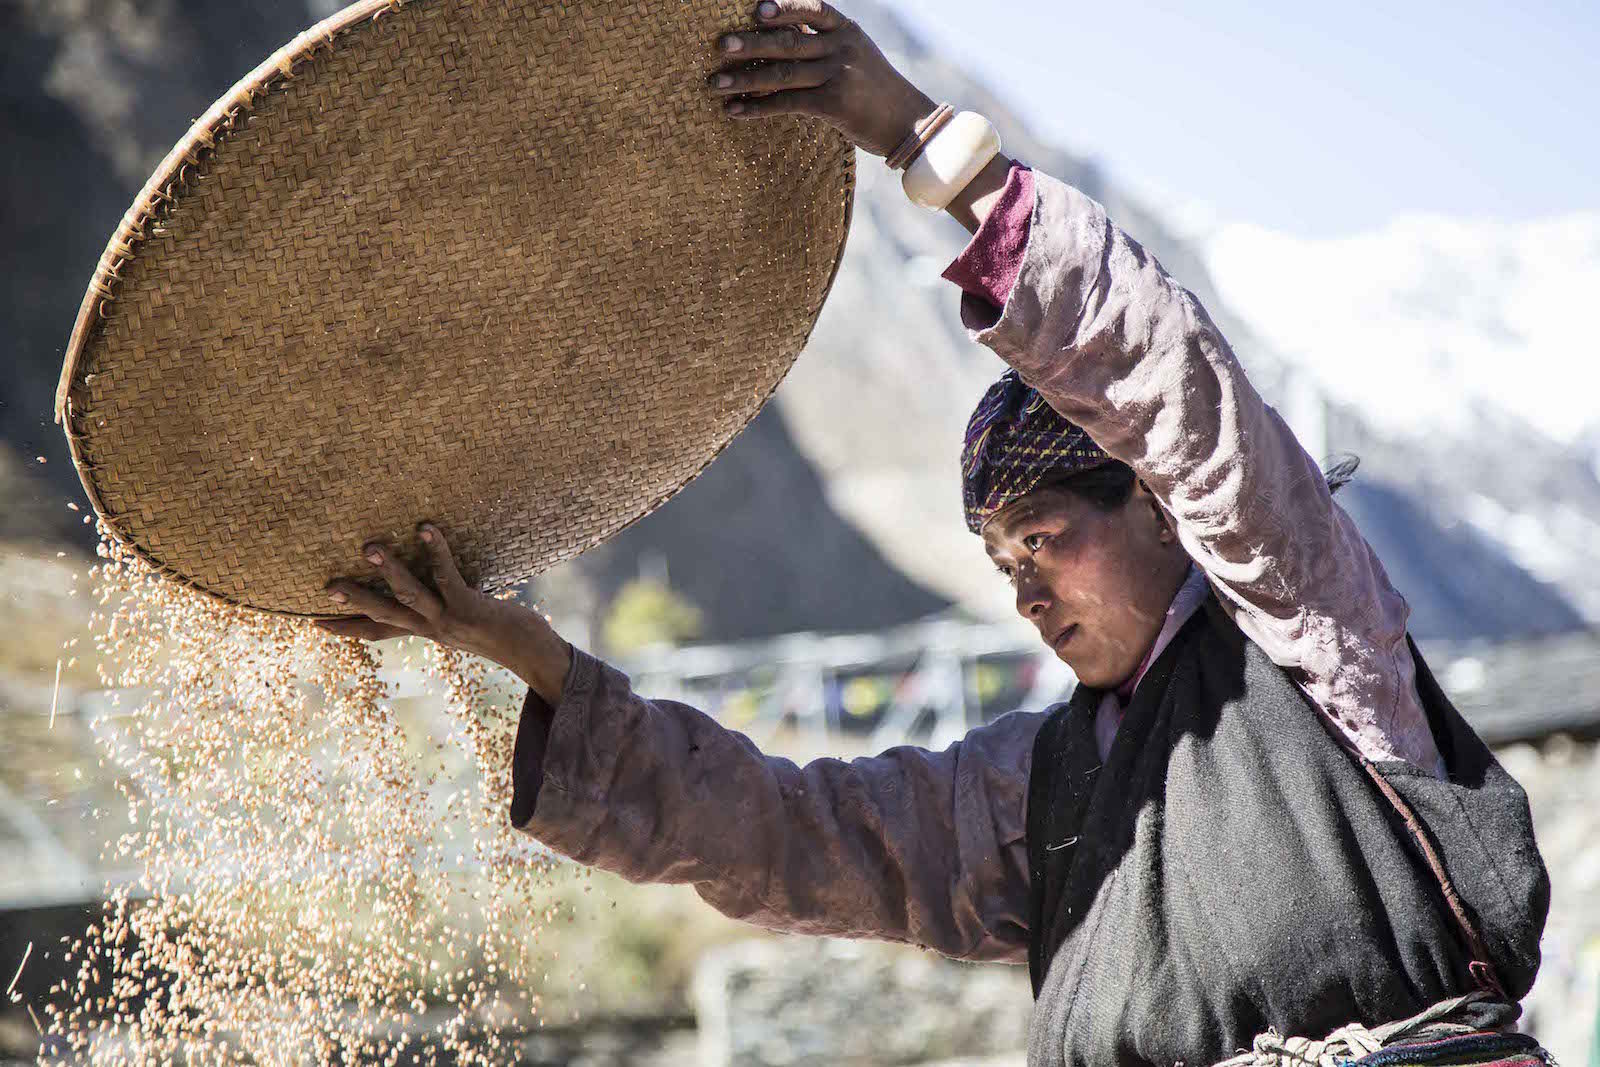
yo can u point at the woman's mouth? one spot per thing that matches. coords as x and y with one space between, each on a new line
1063 637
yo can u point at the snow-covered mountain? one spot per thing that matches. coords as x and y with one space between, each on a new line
1467 337
1429 324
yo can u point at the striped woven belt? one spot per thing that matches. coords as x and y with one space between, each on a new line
1460 1032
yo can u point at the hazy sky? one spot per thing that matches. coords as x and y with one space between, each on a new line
1318 119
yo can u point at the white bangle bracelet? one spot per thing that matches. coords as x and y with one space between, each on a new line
951 160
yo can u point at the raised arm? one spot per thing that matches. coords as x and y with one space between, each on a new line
1116 345
1113 343
910 845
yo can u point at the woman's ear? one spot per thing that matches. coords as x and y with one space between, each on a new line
1167 530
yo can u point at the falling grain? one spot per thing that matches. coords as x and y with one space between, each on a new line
55 696
25 954
311 877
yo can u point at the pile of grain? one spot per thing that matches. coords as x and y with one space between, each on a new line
317 882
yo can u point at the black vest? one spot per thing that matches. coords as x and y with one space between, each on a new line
1231 867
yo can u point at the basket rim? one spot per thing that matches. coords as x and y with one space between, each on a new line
167 186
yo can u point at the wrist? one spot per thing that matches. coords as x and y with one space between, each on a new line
912 109
946 154
541 659
972 205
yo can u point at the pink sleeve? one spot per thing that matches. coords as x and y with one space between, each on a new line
909 845
1113 343
987 268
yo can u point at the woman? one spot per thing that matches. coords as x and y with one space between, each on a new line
1258 809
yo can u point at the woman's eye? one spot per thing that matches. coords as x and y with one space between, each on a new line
1005 572
1034 542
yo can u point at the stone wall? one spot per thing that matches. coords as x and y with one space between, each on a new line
1562 777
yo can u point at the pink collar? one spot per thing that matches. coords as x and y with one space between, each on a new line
1108 716
1191 594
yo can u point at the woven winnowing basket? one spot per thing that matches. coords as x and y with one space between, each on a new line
496 264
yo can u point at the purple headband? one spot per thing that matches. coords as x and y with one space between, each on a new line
1014 440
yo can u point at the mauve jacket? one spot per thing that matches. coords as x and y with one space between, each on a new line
927 847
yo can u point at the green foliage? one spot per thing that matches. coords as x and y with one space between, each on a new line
647 612
990 680
866 695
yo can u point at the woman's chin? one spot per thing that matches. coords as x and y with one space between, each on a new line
1080 651
1084 671
1093 674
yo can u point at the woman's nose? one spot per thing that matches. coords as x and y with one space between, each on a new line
1033 596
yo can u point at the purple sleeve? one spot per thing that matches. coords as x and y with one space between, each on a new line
909 845
987 269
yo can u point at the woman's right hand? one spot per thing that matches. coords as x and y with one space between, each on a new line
805 58
453 613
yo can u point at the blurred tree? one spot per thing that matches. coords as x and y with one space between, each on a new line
646 611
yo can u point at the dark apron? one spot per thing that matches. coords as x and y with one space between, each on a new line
1231 867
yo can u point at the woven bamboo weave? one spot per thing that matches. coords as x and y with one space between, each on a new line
500 265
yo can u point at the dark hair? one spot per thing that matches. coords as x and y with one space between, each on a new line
1109 485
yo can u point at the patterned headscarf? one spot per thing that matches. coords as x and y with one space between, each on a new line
1014 441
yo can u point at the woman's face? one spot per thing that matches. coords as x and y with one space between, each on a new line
1096 583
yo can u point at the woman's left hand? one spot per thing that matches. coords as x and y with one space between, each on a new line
808 59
